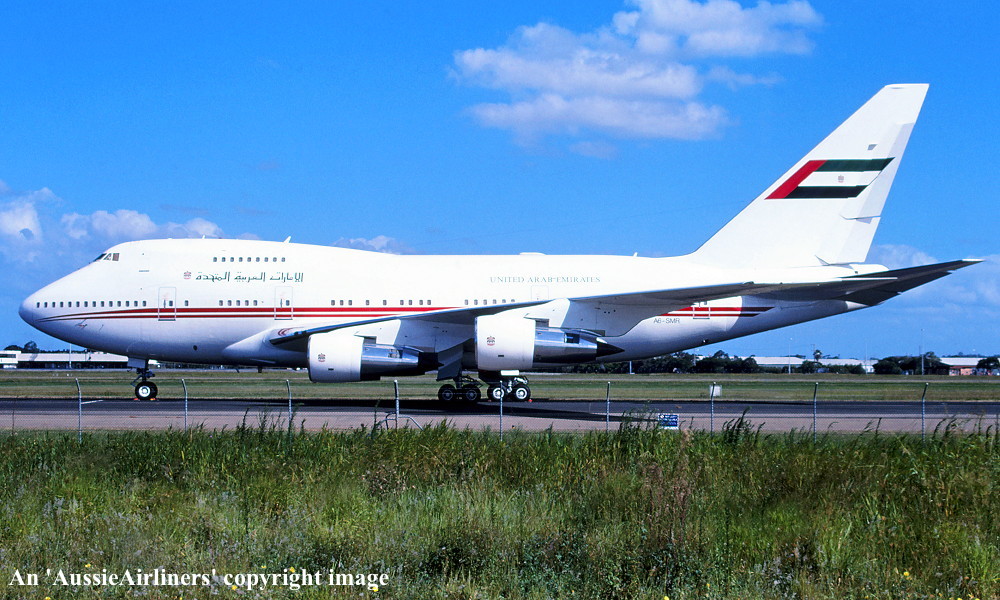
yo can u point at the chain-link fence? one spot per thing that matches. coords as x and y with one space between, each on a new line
88 401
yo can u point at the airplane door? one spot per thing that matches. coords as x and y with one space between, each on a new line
702 310
283 303
166 305
539 292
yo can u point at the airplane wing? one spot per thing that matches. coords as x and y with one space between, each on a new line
652 302
868 289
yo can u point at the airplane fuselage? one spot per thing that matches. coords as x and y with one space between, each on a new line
196 300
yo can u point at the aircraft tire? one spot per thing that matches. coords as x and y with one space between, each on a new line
494 393
145 390
521 392
447 393
471 393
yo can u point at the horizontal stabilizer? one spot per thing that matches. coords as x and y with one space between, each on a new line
904 279
873 288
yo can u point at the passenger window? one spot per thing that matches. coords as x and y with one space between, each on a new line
215 259
350 302
258 259
255 303
144 303
220 302
282 259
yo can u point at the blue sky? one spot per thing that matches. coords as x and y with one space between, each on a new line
482 127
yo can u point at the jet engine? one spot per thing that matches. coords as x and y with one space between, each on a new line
341 356
512 342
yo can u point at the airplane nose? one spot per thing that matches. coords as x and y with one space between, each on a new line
27 310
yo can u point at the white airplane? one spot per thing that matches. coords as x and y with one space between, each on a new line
794 254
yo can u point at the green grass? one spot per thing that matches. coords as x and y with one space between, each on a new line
460 514
271 385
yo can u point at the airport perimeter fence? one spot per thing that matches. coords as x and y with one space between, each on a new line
82 402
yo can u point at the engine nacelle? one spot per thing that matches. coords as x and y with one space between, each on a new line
511 342
341 356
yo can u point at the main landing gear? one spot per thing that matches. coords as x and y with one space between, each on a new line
144 388
498 388
509 388
465 389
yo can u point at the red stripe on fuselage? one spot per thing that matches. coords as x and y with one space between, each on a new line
354 311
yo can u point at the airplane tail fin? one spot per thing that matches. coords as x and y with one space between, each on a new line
826 208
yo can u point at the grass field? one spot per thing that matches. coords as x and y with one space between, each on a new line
460 514
271 384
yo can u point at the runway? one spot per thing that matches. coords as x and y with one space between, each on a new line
343 414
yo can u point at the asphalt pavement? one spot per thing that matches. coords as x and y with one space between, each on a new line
832 416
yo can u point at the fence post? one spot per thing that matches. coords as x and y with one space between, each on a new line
607 410
288 386
923 412
395 391
501 416
79 412
815 392
184 385
711 408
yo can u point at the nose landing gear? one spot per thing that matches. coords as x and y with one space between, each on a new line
144 389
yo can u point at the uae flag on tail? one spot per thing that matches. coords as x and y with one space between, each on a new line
835 178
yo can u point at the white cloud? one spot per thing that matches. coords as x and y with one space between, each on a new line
638 76
379 243
899 256
552 113
20 220
125 224
718 27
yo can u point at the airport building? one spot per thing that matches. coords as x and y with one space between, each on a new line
84 359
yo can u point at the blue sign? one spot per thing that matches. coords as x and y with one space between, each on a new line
668 421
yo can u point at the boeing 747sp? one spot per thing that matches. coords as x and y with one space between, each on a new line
794 254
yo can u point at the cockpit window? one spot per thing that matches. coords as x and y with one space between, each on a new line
100 257
108 256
